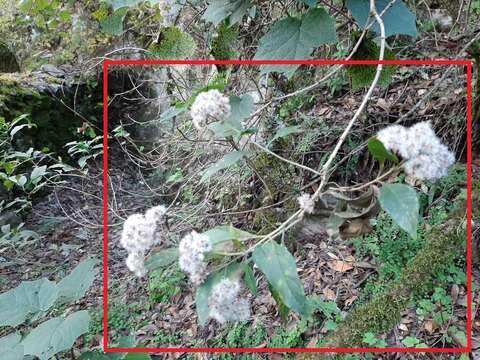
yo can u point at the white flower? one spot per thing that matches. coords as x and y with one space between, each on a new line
306 203
138 234
192 249
136 263
156 217
210 104
169 12
225 304
426 157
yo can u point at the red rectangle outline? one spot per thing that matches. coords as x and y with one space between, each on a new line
463 62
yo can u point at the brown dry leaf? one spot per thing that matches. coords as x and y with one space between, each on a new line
340 266
403 327
355 227
350 301
430 326
454 292
383 104
329 294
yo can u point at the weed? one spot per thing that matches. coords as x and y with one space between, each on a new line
164 284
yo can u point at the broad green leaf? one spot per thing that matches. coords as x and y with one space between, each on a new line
280 269
398 19
171 112
227 233
401 203
283 309
204 290
219 10
55 335
249 278
310 3
380 152
161 258
10 347
283 132
363 75
174 44
225 44
226 161
38 172
241 107
295 39
28 297
113 24
137 356
117 4
74 286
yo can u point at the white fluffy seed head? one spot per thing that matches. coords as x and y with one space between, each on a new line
192 249
138 234
426 157
225 303
306 203
136 263
209 105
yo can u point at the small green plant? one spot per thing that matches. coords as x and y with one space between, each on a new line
163 284
413 342
373 341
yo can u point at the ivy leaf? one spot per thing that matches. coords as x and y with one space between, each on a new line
219 10
113 24
28 297
226 161
55 335
295 39
204 290
161 259
174 44
380 152
280 269
224 233
74 286
398 19
401 203
283 132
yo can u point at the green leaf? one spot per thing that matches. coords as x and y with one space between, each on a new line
10 347
28 297
219 10
401 203
74 286
117 4
283 309
280 269
310 3
161 258
283 132
398 19
249 278
226 161
363 75
174 44
204 290
241 107
410 341
137 356
224 233
113 24
295 39
224 45
55 335
380 152
38 172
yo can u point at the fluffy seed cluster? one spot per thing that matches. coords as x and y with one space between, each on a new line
306 203
210 104
169 12
426 157
140 233
225 304
192 249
